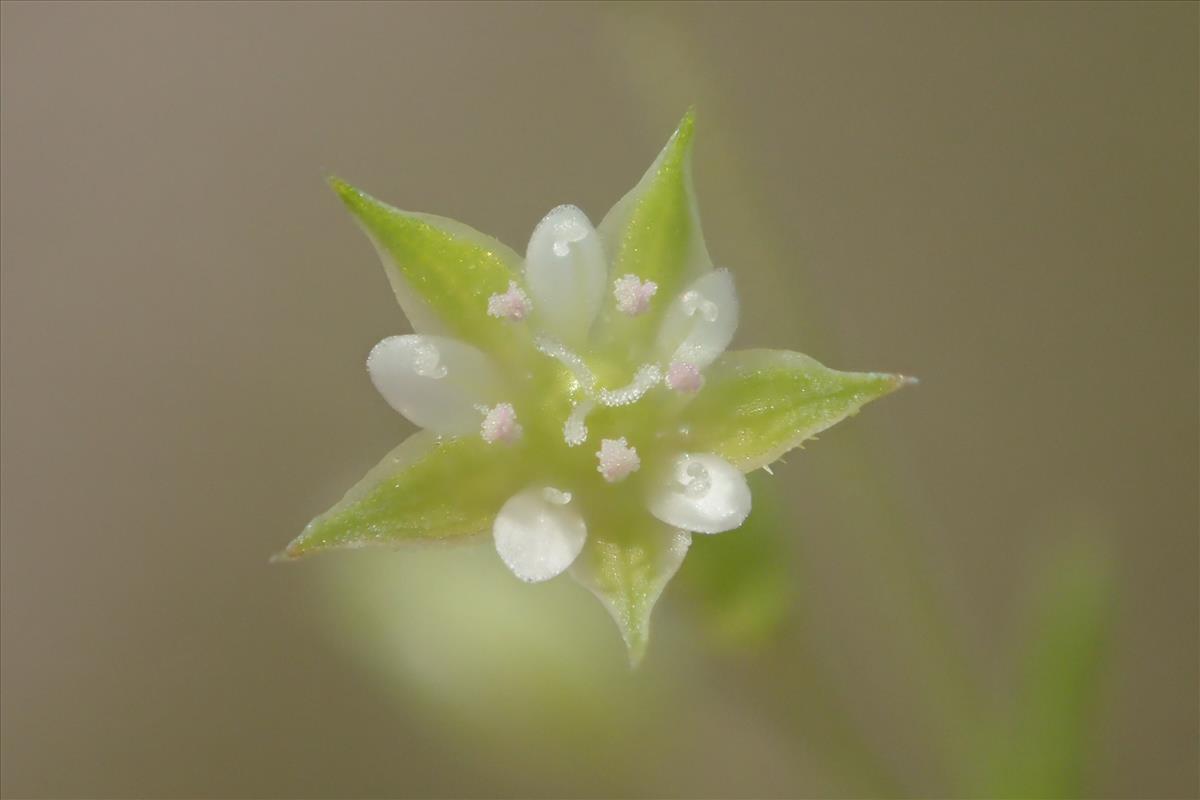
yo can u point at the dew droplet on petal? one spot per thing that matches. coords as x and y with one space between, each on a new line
697 480
556 497
427 361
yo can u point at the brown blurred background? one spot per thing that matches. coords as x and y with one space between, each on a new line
1000 199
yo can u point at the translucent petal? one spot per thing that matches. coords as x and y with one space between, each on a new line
539 532
435 382
758 404
628 570
700 322
702 493
566 274
428 488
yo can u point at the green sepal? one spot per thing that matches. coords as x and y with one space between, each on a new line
654 232
442 271
758 404
429 488
628 570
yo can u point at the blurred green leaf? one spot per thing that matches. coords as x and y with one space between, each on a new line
1045 736
758 404
740 580
520 679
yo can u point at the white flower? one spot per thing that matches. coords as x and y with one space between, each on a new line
443 384
578 402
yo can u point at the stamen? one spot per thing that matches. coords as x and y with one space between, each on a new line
682 376
513 305
633 295
556 497
645 379
575 430
617 459
500 425
427 360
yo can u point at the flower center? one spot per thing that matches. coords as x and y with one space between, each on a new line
575 431
572 403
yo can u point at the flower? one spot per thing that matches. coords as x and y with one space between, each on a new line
579 403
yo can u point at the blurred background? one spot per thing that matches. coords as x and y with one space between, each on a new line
983 586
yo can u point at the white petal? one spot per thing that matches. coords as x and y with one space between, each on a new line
701 321
566 274
434 381
538 533
702 493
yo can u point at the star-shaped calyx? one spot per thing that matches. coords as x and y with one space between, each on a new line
578 404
